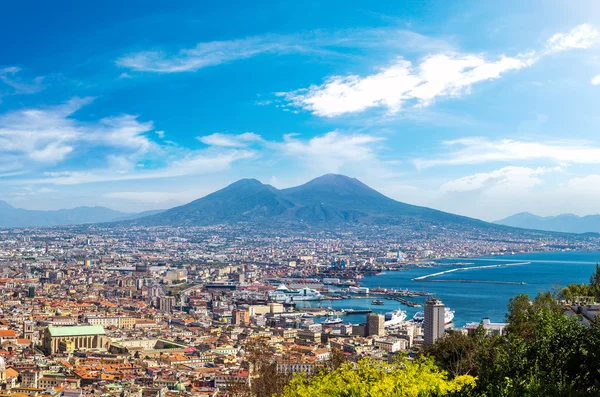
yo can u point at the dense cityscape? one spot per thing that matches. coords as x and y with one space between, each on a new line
158 311
299 198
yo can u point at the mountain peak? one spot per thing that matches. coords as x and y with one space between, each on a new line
246 182
338 183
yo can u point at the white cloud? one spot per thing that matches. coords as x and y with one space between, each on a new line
161 134
229 140
9 77
582 36
596 80
403 84
482 150
50 135
331 151
214 53
436 76
506 178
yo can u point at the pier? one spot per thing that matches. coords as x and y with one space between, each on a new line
405 302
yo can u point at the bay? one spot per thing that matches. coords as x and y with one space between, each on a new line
474 301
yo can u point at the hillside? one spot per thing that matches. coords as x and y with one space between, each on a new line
567 223
327 200
18 217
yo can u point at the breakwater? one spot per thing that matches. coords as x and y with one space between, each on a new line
462 269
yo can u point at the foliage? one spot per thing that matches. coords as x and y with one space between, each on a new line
419 378
266 381
545 353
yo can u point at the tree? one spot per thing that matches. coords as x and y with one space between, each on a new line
595 281
419 378
266 381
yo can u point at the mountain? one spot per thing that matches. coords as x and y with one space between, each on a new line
328 200
568 223
17 217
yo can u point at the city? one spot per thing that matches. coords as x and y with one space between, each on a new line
299 198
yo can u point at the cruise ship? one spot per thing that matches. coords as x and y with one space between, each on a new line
448 316
394 318
284 294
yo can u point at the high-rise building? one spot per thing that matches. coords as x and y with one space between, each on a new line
375 324
166 304
241 317
433 324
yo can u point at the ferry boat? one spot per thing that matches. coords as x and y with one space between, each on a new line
284 294
357 311
448 316
332 321
394 318
377 302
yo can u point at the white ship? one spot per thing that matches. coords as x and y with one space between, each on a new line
394 318
332 321
448 316
284 294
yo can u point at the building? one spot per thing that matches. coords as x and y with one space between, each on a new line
375 324
29 331
433 324
289 367
58 339
391 345
489 327
240 317
166 304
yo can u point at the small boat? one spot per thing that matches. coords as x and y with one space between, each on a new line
377 302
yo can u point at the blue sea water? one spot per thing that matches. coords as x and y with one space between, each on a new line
474 301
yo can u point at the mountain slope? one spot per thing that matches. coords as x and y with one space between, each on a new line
567 223
17 217
327 200
244 200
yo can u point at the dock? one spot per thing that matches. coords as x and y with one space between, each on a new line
405 302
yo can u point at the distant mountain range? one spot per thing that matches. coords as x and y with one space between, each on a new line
325 201
17 217
330 200
568 223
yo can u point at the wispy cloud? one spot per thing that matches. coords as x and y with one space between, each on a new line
329 152
403 84
9 76
582 36
596 80
192 163
49 135
482 150
214 53
507 177
230 140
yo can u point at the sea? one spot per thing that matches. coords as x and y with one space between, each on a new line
529 273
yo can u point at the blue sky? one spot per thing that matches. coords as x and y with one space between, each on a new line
479 108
